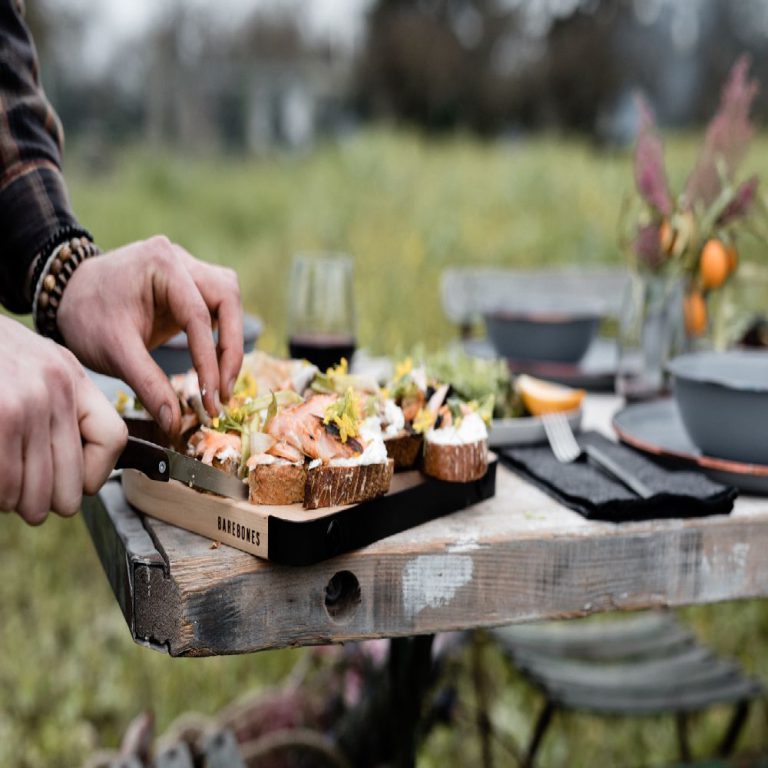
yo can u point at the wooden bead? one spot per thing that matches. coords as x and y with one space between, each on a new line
55 267
74 243
42 302
49 282
65 252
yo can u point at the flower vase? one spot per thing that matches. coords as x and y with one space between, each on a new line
651 333
707 324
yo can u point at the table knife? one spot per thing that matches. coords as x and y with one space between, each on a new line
165 464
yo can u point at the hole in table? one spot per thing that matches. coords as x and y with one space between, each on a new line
342 596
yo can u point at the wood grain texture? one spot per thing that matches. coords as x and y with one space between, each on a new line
517 557
128 555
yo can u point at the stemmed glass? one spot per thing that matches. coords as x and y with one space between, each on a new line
321 311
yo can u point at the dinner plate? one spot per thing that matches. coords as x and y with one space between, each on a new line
525 430
655 428
596 371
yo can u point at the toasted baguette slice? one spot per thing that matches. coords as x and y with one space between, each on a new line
277 483
405 449
456 463
329 486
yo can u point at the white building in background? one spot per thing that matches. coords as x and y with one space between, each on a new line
266 89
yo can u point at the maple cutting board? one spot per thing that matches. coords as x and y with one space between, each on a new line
292 535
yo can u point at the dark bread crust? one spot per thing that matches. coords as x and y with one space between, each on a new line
404 449
329 486
277 483
456 463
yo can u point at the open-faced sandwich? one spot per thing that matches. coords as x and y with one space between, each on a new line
402 446
295 434
289 442
443 433
320 451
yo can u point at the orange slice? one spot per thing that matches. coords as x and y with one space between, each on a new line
541 397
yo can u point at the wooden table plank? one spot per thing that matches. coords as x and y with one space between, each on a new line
517 557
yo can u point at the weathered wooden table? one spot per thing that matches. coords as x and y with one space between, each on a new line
517 557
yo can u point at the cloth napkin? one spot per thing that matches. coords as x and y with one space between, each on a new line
586 489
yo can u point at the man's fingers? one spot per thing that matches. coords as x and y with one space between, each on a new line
11 470
67 453
191 313
220 290
149 382
103 433
37 483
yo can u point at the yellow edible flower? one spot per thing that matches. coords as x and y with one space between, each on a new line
124 401
424 421
342 369
344 413
403 368
245 386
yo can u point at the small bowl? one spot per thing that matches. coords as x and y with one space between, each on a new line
542 336
723 402
173 356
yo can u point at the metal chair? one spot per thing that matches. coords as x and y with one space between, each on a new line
640 665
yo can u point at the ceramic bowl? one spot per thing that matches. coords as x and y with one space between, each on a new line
173 356
723 402
543 337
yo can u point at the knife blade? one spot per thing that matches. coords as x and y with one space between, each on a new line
163 464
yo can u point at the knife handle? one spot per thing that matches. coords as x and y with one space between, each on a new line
147 457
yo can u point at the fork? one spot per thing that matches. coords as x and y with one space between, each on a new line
567 450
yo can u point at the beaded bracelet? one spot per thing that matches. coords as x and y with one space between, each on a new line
58 268
54 240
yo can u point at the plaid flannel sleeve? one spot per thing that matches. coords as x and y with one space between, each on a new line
33 196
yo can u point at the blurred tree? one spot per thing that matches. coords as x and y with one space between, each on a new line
582 67
439 63
496 64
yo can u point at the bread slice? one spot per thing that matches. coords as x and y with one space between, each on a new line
404 449
330 486
456 463
277 483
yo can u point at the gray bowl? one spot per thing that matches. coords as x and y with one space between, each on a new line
173 356
542 337
723 402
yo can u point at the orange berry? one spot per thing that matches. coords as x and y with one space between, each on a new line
714 264
695 313
666 236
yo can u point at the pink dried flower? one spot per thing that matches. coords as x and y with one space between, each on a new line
648 246
741 203
650 176
727 138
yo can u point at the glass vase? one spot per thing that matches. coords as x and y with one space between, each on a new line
651 333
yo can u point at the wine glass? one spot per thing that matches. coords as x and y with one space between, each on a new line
321 312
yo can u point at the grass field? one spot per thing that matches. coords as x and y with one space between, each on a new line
405 207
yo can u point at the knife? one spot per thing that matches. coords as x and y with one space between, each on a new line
165 464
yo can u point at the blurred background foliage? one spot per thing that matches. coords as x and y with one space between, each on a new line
415 135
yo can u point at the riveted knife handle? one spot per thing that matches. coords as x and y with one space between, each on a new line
147 457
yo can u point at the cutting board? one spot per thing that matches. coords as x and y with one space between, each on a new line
292 535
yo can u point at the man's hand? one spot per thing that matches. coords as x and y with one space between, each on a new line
59 434
119 305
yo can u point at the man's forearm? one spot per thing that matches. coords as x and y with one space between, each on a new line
33 197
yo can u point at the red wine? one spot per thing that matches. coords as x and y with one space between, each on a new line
322 350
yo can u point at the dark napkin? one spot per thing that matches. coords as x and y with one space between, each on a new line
587 489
